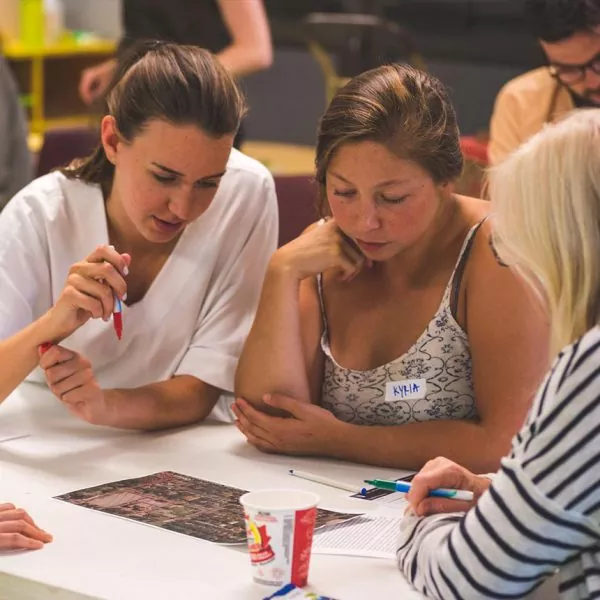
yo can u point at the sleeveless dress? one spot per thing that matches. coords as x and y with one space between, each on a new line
432 380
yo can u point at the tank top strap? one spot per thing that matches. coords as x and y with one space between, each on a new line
322 305
453 289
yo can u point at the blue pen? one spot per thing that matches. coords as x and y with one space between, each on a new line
403 486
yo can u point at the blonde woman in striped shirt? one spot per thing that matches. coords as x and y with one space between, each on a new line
540 514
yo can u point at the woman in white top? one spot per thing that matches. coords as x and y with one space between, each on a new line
165 217
389 332
541 511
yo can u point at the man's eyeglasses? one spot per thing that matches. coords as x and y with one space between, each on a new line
570 74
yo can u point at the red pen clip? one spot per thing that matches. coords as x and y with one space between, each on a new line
45 347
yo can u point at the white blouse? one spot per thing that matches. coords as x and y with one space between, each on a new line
197 313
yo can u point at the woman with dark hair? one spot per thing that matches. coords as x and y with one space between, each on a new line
389 331
165 219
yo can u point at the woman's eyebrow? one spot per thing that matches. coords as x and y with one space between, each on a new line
174 172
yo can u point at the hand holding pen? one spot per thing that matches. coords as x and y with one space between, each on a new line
443 473
94 287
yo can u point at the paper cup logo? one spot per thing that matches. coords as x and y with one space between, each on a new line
260 549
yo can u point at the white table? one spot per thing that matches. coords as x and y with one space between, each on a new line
95 555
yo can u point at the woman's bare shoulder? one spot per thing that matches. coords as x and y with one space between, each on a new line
474 209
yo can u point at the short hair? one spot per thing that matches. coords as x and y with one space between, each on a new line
556 20
546 203
405 109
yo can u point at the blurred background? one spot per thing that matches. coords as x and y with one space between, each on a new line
473 46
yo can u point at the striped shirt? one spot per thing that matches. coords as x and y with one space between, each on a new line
541 513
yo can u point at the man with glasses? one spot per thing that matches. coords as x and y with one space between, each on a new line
569 33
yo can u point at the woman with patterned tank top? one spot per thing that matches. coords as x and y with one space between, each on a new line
388 331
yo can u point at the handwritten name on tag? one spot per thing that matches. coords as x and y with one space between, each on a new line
408 389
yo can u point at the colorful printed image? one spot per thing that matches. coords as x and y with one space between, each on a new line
195 507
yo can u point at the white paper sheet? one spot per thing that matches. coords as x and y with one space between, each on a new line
373 535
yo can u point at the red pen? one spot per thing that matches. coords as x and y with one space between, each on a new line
45 347
118 317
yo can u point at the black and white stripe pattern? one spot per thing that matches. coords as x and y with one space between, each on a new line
542 511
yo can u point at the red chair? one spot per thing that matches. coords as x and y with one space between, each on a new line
297 199
61 146
470 182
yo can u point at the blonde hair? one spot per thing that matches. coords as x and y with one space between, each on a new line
546 199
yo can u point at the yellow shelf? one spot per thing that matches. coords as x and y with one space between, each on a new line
282 159
17 50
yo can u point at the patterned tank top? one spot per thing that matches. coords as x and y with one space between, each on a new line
432 380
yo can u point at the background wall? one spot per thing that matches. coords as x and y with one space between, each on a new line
100 16
287 100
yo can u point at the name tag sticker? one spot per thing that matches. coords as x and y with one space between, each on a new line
408 389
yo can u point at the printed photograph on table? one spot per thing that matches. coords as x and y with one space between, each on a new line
179 503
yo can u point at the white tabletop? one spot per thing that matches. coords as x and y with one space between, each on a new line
95 555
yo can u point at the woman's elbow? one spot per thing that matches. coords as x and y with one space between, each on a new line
263 58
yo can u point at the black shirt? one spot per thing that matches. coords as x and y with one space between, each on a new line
196 22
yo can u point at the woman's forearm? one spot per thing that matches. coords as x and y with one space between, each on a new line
411 446
273 359
178 401
19 355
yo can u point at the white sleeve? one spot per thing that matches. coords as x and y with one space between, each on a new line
25 290
223 327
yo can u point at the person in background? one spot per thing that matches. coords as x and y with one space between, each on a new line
16 165
18 531
541 511
166 218
569 34
237 31
389 332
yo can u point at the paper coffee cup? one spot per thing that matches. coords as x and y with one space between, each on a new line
280 526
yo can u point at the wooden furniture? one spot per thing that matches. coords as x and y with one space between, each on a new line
48 77
282 159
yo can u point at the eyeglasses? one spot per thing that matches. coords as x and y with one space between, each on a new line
570 74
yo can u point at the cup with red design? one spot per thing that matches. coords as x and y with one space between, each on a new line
280 525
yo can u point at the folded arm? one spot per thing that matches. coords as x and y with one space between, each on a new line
181 400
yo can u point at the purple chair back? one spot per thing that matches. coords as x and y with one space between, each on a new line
297 200
61 146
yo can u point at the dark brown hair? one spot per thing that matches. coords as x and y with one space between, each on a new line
183 85
403 108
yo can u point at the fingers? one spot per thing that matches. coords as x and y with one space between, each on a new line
18 541
65 371
82 376
108 254
85 86
351 258
432 506
438 473
290 406
15 514
255 440
55 355
22 534
106 264
250 419
352 261
92 283
91 295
